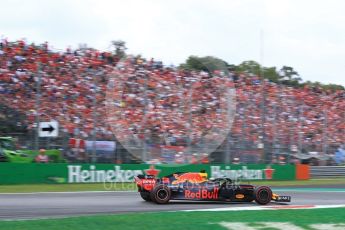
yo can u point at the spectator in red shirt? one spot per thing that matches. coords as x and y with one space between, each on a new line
42 157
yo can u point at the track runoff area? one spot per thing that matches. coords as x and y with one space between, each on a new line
312 207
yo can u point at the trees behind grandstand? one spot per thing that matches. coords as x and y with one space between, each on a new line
119 48
11 121
286 75
207 64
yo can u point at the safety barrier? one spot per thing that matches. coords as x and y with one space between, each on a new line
327 171
16 173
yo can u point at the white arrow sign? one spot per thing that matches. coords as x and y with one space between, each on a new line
49 129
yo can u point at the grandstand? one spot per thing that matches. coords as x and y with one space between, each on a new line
272 123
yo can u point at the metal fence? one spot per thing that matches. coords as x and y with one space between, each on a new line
327 171
280 147
273 123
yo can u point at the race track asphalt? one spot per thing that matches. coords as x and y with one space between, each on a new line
49 205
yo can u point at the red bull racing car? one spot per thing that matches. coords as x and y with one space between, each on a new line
196 186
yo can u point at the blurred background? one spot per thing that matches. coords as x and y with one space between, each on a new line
87 105
173 82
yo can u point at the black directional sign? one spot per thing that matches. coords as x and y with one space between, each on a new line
49 129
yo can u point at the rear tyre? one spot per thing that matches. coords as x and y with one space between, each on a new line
160 194
263 195
145 196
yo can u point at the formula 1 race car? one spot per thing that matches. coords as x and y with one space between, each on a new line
196 186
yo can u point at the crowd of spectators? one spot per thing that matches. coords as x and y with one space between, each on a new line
168 107
92 93
317 116
69 91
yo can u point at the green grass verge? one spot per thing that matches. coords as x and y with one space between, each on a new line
182 220
66 187
131 186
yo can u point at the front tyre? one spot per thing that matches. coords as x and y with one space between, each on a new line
263 195
145 196
160 194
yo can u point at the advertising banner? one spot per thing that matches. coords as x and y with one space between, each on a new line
107 146
103 149
16 173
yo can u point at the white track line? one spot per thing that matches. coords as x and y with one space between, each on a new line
271 207
76 192
307 190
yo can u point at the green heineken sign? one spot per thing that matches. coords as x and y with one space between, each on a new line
16 173
76 174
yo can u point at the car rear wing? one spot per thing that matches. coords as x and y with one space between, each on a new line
145 182
142 176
